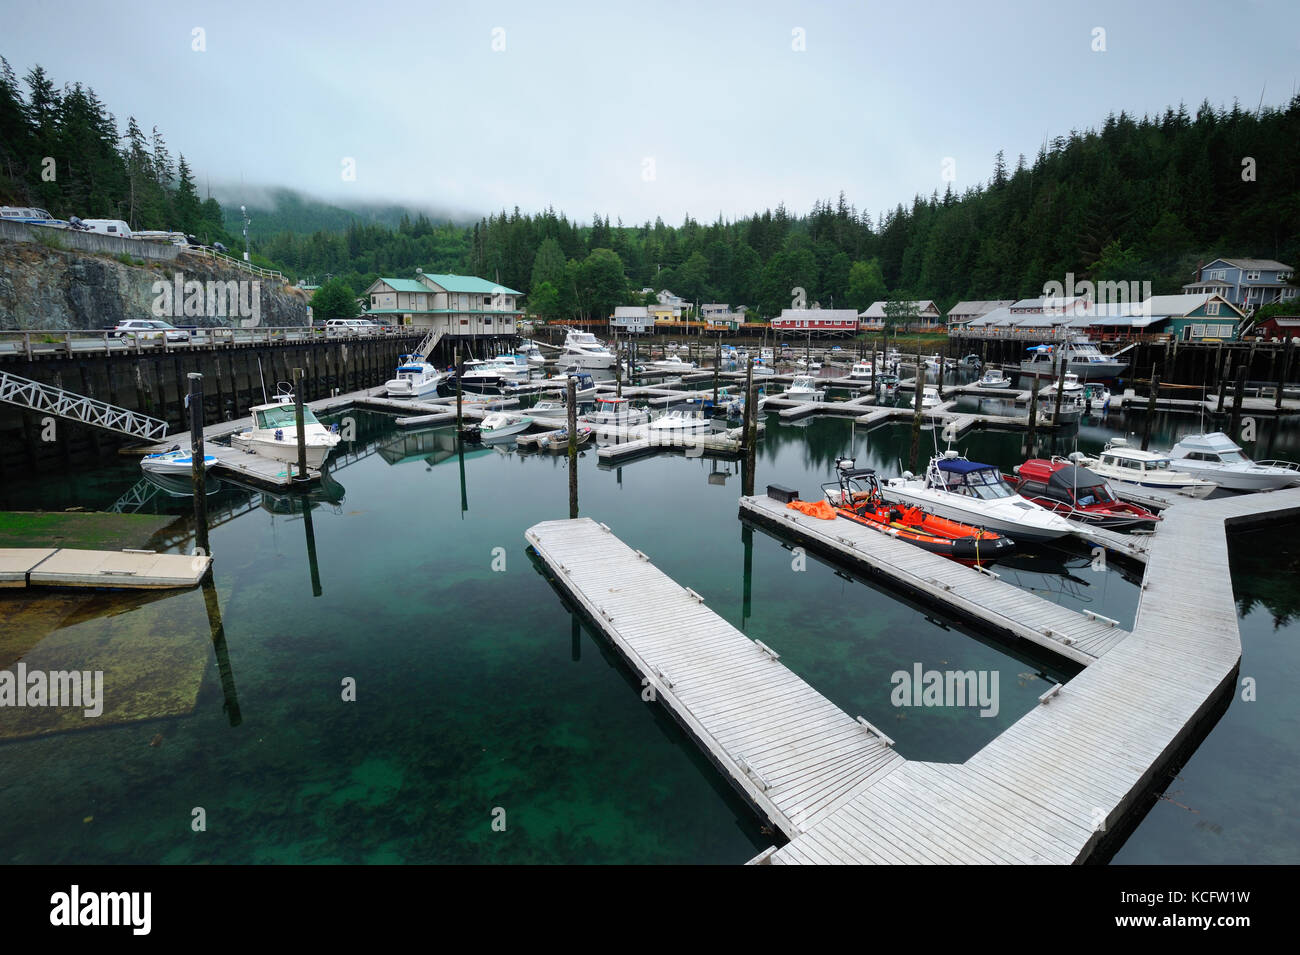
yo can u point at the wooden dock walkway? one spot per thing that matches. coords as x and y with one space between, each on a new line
105 569
1046 790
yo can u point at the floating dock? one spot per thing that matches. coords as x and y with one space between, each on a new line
108 569
1046 790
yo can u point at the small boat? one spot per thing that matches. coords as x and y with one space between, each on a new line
1074 492
672 363
763 366
534 354
1096 397
414 379
679 420
498 425
586 386
804 388
616 411
888 384
978 494
856 496
934 362
862 370
274 433
1134 469
550 408
1216 457
993 379
559 440
174 461
808 364
930 398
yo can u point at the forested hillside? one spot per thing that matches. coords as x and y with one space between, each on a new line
1136 199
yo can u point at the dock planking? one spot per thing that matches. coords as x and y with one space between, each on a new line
105 569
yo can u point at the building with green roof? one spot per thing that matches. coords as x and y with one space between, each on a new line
456 305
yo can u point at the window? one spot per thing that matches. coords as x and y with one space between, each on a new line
1284 276
1198 331
1252 276
1211 308
1218 274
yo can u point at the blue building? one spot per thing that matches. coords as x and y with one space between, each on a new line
1246 283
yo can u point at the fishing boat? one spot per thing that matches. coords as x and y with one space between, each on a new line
993 379
499 425
888 384
978 494
1082 358
862 370
586 385
414 379
804 388
616 411
584 350
1134 469
274 433
174 462
856 496
1074 492
679 420
1216 457
1096 397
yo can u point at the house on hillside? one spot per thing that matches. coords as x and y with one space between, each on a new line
1197 317
459 305
632 319
963 312
1246 283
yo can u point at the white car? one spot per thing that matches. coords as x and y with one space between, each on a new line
351 326
149 329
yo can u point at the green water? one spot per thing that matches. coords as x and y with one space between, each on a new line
480 696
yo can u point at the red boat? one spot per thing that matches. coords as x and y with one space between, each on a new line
856 497
1077 493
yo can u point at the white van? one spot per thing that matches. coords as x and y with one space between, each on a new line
110 227
350 326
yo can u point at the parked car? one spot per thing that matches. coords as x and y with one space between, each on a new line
350 326
149 329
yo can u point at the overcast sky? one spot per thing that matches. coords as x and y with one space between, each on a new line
641 109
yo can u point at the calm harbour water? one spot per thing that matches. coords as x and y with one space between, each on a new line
480 696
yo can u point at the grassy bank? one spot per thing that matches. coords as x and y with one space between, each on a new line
88 530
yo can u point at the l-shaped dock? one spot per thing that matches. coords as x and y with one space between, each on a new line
1047 789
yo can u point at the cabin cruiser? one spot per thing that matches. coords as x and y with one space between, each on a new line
888 384
1081 356
494 372
549 407
1096 397
1075 492
679 420
616 411
1216 457
586 385
586 351
862 370
415 379
534 354
976 494
930 398
274 433
1135 470
993 379
802 388
809 364
934 362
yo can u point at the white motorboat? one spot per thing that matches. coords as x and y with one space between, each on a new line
862 370
274 433
550 408
976 494
501 425
763 367
1096 397
533 354
415 379
678 420
808 364
993 379
930 398
672 363
1135 469
616 411
1216 457
584 350
494 372
174 461
802 388
934 362
1081 356
586 387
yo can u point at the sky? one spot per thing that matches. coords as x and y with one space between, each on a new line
640 110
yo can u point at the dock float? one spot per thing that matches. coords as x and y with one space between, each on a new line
108 569
1046 790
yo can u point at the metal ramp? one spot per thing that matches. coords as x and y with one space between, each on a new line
47 399
426 347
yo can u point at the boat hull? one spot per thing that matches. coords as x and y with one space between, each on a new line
940 503
286 450
1086 370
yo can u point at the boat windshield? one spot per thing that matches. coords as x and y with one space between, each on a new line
1097 494
986 484
1233 457
282 416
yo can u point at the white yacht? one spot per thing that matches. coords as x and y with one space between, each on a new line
1134 469
976 494
862 370
415 379
616 411
586 351
763 366
1216 457
802 388
274 433
494 372
1082 357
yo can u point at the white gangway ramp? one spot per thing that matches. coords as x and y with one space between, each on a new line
47 399
793 753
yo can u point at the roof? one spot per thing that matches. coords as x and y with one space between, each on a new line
822 313
631 311
978 307
1074 476
1262 265
962 466
1214 441
404 285
1057 303
468 283
1218 282
877 309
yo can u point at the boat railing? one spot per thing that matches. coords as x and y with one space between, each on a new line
1288 465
